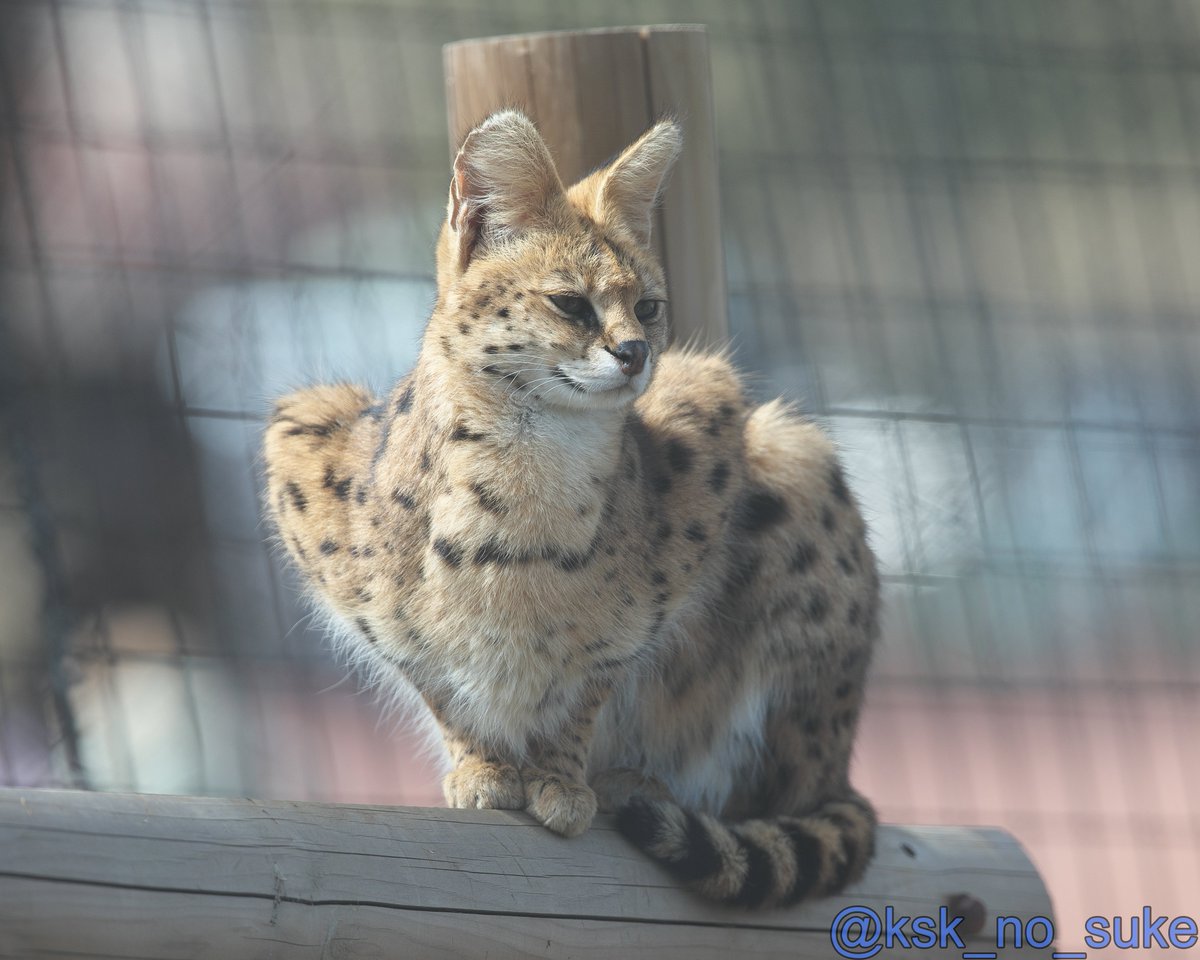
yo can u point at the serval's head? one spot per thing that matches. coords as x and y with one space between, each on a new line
553 294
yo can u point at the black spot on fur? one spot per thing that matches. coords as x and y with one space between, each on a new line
360 495
328 547
426 461
502 313
844 563
311 430
340 488
448 551
463 432
818 605
575 560
837 485
405 401
299 500
651 455
718 476
720 419
492 552
695 532
488 499
464 328
622 255
663 533
658 578
744 569
405 500
491 348
804 556
679 456
854 614
760 511
828 520
367 632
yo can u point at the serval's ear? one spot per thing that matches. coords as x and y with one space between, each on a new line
504 182
631 185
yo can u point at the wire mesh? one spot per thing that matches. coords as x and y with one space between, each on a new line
964 234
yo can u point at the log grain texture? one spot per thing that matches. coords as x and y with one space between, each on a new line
87 875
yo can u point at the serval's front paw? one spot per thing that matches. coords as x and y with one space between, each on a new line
562 805
484 786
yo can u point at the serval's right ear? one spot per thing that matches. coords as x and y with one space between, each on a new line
504 182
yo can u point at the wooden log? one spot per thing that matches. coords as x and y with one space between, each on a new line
593 92
110 875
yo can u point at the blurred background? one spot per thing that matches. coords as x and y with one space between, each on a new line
965 235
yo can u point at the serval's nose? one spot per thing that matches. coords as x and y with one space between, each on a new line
631 355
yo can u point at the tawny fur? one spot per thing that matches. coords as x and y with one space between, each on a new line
602 581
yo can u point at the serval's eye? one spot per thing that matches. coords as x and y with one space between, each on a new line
572 305
646 310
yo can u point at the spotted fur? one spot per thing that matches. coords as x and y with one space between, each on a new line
612 583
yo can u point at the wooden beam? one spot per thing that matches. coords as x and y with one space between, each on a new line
113 875
591 93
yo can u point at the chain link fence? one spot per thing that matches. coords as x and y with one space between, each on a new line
964 234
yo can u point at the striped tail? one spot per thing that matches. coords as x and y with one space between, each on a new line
774 861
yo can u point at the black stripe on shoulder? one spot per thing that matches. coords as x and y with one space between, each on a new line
760 875
806 848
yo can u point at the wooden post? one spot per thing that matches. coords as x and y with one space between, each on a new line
107 875
593 92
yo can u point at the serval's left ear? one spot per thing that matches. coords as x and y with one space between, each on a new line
631 185
503 183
